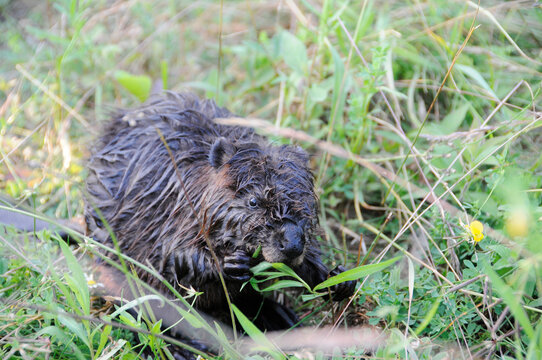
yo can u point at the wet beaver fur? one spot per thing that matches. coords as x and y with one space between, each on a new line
241 192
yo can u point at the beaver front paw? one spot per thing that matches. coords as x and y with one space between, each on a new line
237 266
343 290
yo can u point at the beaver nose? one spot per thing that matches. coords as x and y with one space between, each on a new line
293 240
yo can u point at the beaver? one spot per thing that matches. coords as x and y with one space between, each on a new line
212 185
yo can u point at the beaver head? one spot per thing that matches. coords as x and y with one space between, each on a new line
274 206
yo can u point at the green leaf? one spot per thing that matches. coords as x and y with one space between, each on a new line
476 76
293 52
128 319
285 269
534 351
268 275
411 275
257 252
120 344
251 329
309 297
164 73
75 327
261 267
57 334
340 86
283 284
282 270
318 92
77 281
510 298
136 302
138 85
224 341
488 147
104 335
355 273
156 327
429 316
450 123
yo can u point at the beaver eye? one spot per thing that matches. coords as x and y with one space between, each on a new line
253 202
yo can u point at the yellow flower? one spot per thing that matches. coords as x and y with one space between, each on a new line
476 228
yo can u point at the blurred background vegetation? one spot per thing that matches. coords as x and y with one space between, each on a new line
403 102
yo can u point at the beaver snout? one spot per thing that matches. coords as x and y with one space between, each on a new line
292 242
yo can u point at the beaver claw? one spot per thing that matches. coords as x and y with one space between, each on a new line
343 290
237 266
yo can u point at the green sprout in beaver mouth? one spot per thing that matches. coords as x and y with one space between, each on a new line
257 252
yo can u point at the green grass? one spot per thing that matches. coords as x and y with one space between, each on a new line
401 103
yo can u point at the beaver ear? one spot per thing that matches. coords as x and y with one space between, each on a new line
302 154
296 153
221 152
